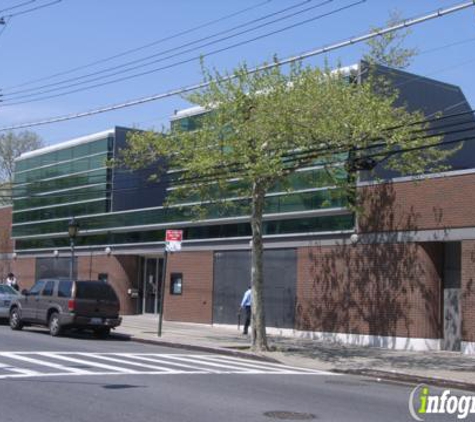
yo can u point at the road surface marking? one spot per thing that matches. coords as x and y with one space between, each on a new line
128 362
18 370
181 365
140 364
87 362
44 363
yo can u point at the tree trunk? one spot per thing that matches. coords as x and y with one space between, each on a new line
259 337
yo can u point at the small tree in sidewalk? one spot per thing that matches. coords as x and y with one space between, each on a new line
264 126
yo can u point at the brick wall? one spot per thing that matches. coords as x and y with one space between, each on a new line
430 204
195 304
24 270
468 291
6 244
389 290
122 274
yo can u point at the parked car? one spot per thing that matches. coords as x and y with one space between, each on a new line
60 304
7 294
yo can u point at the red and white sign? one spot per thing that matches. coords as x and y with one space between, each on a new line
173 239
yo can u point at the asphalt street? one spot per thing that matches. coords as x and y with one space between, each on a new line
81 379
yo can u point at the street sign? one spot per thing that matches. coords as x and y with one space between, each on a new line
173 239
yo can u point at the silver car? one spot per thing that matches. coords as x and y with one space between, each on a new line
7 295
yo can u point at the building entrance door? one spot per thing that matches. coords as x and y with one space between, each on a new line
152 271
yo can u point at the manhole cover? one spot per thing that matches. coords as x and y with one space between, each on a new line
289 416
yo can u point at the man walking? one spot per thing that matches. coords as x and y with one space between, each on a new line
246 305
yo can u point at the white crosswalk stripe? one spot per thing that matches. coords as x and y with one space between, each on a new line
47 364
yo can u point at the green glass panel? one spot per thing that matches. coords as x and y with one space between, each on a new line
99 146
284 203
78 180
80 150
62 169
65 154
309 179
83 208
20 165
76 195
304 225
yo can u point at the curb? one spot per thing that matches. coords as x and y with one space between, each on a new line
366 372
407 378
209 349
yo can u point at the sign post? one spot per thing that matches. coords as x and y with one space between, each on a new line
173 239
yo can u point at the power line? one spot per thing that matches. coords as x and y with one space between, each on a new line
23 12
143 47
179 91
181 62
161 52
17 6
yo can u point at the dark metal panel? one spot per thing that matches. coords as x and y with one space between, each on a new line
418 93
135 190
232 276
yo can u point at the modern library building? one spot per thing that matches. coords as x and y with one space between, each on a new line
401 274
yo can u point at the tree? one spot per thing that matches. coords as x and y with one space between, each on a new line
12 145
262 127
388 49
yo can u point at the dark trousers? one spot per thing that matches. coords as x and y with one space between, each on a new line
248 319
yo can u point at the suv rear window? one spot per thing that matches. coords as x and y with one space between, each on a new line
64 288
94 290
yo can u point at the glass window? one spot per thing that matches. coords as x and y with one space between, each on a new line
176 283
64 288
36 289
48 289
7 290
65 154
94 290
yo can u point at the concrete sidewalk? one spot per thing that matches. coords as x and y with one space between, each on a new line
438 368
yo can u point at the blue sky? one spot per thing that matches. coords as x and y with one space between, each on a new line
74 33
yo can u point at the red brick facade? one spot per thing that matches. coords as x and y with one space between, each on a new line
430 204
24 269
195 304
122 273
6 244
392 290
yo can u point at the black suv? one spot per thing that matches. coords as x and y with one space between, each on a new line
60 304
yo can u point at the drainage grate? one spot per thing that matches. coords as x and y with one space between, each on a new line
289 416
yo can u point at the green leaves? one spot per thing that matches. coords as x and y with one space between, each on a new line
260 128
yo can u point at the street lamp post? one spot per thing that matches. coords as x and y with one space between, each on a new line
73 229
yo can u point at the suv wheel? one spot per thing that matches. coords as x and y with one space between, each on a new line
15 320
54 325
102 332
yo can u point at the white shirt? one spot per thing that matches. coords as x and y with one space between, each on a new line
11 281
247 299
